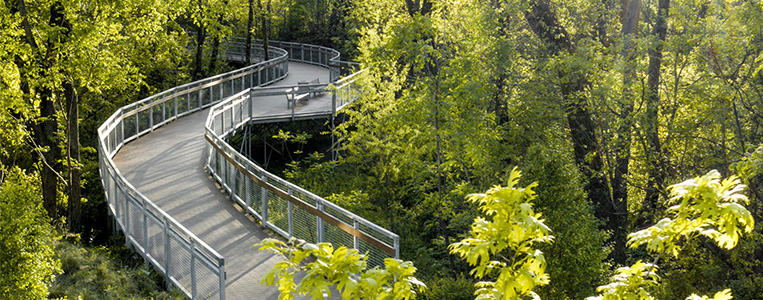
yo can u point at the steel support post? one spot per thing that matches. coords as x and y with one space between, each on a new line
145 232
222 276
175 109
192 250
167 256
319 221
355 243
291 216
264 200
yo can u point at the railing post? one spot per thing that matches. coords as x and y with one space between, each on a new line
127 220
293 103
291 216
145 232
117 209
167 256
396 244
222 276
355 243
251 99
175 109
201 101
151 117
319 221
137 122
264 200
192 249
333 102
247 197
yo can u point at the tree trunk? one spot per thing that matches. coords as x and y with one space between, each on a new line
75 195
215 50
44 128
198 73
249 22
586 149
264 24
656 173
630 17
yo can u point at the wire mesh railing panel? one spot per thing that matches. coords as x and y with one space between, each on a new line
180 262
119 201
156 240
157 113
207 286
375 255
376 234
120 134
303 196
193 100
336 236
236 85
215 93
278 212
227 90
255 196
304 225
240 184
206 96
144 122
341 216
130 126
169 109
136 221
182 101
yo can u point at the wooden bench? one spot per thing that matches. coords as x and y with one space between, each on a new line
293 95
301 91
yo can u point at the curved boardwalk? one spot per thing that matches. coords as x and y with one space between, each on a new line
167 166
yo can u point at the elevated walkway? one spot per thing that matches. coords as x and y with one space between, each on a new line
164 161
167 166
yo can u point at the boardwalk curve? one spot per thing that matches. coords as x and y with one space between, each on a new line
157 156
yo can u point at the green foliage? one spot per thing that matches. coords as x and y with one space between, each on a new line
105 273
704 206
629 283
459 288
578 253
342 268
504 244
27 264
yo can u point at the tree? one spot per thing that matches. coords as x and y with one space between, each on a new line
27 266
503 244
70 55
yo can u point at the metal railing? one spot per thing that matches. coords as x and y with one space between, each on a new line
286 208
304 53
187 263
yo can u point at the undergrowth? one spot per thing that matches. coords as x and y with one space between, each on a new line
98 272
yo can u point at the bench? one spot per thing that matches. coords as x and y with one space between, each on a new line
300 92
293 95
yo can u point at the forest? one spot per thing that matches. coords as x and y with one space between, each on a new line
522 149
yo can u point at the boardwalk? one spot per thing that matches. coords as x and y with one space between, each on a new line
167 166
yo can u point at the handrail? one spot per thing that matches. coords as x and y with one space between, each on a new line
188 264
277 203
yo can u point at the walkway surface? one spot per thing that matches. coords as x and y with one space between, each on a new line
167 166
